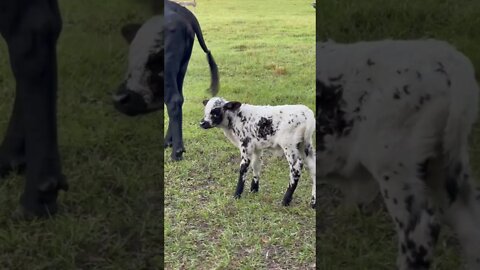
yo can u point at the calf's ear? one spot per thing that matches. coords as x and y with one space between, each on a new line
205 102
129 31
232 105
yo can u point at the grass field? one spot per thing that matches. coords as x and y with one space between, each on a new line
265 51
113 212
347 239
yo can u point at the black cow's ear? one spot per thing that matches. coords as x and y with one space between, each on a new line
205 102
129 31
232 105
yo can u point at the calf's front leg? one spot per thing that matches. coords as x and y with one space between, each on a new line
244 164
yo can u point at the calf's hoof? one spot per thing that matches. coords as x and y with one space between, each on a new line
313 203
254 187
286 201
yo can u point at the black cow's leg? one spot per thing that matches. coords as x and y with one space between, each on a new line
174 102
168 137
12 150
33 58
174 57
177 141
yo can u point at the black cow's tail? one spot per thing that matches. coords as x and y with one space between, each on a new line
214 85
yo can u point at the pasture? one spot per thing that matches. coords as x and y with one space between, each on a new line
112 216
265 51
348 239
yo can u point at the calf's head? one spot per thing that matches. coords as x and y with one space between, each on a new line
142 90
216 111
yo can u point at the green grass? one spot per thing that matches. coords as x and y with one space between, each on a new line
112 216
265 51
348 239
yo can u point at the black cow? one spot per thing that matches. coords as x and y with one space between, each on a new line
31 29
162 40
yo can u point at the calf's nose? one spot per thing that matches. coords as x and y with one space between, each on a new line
204 124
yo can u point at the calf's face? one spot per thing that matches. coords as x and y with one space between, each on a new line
215 111
142 90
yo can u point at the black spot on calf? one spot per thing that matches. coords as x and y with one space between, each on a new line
246 141
265 128
409 203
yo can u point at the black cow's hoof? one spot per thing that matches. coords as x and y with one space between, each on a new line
237 196
168 144
177 155
43 211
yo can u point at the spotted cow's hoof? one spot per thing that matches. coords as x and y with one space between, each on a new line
313 203
286 201
254 187
237 196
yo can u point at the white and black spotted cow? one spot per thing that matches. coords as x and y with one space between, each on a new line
287 128
396 115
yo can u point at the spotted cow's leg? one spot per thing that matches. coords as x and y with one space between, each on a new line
463 211
311 164
244 165
256 165
405 196
295 163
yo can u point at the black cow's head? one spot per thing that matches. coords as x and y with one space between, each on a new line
142 90
215 111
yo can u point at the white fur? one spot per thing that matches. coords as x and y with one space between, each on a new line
419 101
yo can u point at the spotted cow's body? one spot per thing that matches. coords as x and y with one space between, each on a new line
286 129
395 116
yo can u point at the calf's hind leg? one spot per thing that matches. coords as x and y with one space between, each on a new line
309 157
296 164
416 224
256 165
463 211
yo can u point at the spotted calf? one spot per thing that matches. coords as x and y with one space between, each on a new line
252 129
396 116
